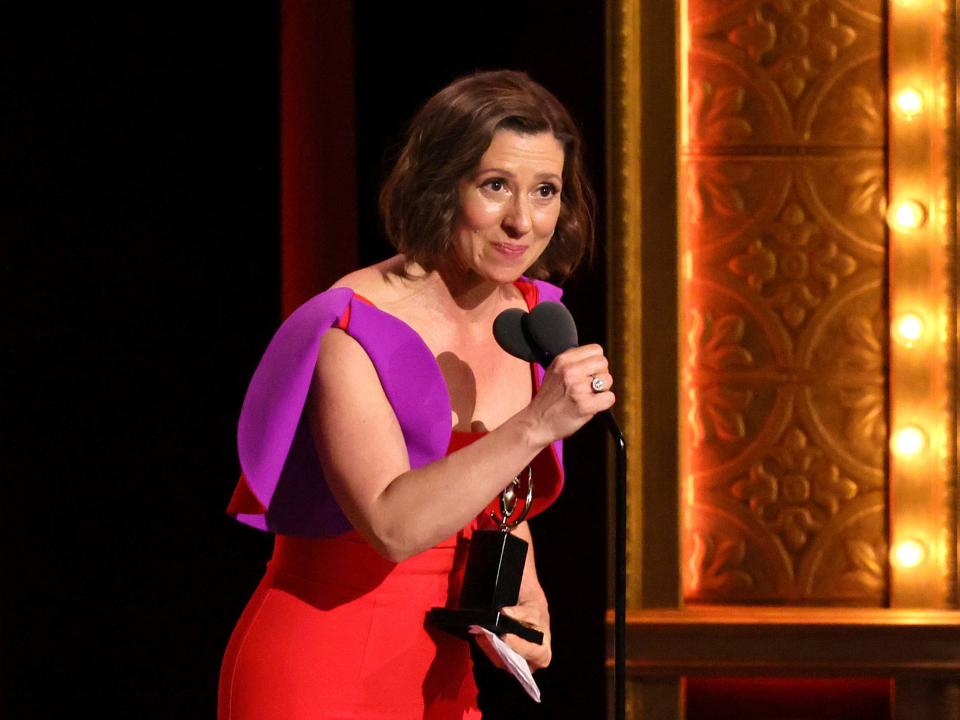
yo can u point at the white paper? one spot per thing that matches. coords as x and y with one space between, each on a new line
513 660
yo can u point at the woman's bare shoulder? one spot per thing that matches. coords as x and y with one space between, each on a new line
377 282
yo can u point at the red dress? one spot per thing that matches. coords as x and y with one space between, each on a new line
335 631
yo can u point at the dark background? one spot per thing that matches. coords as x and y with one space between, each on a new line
140 273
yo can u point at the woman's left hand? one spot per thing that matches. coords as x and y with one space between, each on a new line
531 612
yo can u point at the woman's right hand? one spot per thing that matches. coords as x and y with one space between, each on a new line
566 399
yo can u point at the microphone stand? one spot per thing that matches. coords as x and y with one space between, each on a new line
519 335
620 568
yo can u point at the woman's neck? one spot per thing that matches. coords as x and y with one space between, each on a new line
408 288
464 294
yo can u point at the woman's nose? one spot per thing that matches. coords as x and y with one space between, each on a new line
516 218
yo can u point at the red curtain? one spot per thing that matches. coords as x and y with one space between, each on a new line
317 153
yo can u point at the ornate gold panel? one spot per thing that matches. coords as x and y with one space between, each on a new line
784 73
812 349
783 323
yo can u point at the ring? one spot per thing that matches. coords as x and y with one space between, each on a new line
597 384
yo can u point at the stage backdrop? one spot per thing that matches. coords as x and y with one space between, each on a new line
153 155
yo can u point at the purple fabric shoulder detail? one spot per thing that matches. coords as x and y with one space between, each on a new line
276 452
547 291
411 380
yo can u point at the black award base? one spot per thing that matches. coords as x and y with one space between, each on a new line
458 622
491 581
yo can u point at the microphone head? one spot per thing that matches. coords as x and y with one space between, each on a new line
551 329
509 334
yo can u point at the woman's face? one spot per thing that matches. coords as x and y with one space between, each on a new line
509 206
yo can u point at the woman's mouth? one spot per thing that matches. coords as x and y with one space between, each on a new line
509 249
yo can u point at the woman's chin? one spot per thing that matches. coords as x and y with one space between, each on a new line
507 269
504 275
496 271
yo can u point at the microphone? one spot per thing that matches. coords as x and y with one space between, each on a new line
539 336
536 336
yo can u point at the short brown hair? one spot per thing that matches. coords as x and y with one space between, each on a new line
444 143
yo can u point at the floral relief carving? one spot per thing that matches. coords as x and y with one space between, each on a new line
757 36
860 380
793 250
717 410
861 117
865 571
865 191
758 265
716 113
714 190
795 40
716 562
794 301
795 490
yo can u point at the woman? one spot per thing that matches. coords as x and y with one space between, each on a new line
384 419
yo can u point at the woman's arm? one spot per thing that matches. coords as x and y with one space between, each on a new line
401 511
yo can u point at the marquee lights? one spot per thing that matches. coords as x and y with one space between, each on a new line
909 441
909 553
919 291
908 329
907 215
908 103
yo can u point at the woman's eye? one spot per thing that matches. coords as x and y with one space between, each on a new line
495 184
547 191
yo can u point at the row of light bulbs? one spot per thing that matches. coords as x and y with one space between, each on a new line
907 216
908 103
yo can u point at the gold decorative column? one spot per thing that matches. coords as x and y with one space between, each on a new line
783 205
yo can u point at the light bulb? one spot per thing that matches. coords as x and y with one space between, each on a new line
907 215
908 103
908 328
909 553
908 441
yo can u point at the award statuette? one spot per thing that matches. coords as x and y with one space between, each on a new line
491 580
